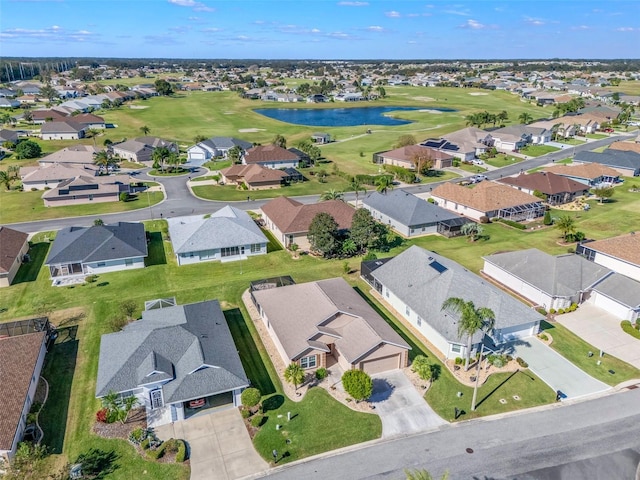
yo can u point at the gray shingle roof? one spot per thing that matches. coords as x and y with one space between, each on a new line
226 143
191 344
562 275
423 280
98 243
622 289
228 227
407 208
611 158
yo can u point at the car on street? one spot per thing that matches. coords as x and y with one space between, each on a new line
477 178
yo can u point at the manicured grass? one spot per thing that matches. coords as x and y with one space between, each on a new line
576 350
439 176
537 150
273 245
28 206
570 141
218 165
132 165
597 136
565 161
503 160
167 173
468 167
318 424
205 178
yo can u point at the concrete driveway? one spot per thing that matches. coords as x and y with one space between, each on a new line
219 445
602 330
401 408
555 370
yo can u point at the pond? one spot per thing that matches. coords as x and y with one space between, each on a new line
341 117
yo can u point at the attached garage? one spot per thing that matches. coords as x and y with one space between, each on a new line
382 364
618 295
517 332
610 305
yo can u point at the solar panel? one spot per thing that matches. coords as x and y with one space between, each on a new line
438 267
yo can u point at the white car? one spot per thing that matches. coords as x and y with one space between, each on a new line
477 178
478 162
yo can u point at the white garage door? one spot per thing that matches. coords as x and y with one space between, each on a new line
196 156
611 306
381 364
517 332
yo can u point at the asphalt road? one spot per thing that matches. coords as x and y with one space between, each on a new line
592 440
180 202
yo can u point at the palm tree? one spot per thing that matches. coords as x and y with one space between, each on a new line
126 404
566 224
294 374
356 186
93 132
423 475
525 118
103 160
5 179
384 183
503 116
160 156
472 230
145 130
332 194
470 320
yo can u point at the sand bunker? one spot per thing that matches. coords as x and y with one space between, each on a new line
251 130
229 113
138 107
423 99
478 94
427 110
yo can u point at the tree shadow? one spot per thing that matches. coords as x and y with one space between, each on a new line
156 253
274 402
97 463
28 271
382 390
497 388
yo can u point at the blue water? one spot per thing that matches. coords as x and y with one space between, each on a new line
340 117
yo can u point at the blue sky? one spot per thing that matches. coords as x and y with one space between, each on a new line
320 29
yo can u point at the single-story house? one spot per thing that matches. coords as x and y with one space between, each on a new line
62 130
404 157
488 199
621 254
21 360
412 216
14 245
320 138
178 361
289 219
141 149
10 136
625 146
255 177
77 155
625 162
465 144
84 189
515 137
90 120
228 234
319 324
40 117
9 103
270 156
417 282
591 174
51 175
81 251
618 295
545 280
214 147
558 189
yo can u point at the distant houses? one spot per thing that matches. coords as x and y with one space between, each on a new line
141 149
270 156
83 189
214 147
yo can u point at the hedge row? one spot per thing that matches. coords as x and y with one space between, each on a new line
513 224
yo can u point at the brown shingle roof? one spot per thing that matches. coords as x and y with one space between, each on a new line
18 358
11 242
291 216
269 153
484 197
545 182
626 146
407 153
625 247
584 170
253 173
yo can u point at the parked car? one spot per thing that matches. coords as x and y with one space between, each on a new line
478 162
477 178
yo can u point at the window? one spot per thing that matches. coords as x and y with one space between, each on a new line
102 264
230 251
308 362
386 292
456 348
156 399
419 321
128 262
407 310
256 248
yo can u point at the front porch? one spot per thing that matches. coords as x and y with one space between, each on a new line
67 273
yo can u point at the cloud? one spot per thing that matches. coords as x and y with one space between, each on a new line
162 39
197 6
475 25
55 33
627 29
375 28
534 21
353 4
392 14
581 27
462 13
210 30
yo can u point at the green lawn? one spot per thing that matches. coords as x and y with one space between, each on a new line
597 136
537 150
28 206
438 176
218 165
565 161
468 167
502 160
570 141
576 350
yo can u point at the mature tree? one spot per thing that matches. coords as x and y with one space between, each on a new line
93 133
104 160
323 234
49 92
332 194
308 147
357 384
349 248
525 118
384 183
294 374
405 141
161 156
28 149
566 224
502 117
199 138
422 161
357 187
128 307
173 160
27 116
472 230
235 154
470 320
145 130
547 217
280 141
163 87
363 229
603 193
106 104
98 222
381 91
5 179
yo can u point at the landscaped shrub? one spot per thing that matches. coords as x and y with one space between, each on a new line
560 311
156 453
145 443
402 174
321 373
370 256
459 361
101 415
573 307
552 311
245 412
541 311
543 337
431 200
497 361
137 435
181 455
250 397
517 225
357 384
628 328
422 367
91 278
521 362
547 218
484 219
258 420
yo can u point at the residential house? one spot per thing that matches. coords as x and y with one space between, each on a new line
141 149
621 254
39 117
558 189
87 189
270 156
625 162
76 155
52 174
82 251
324 323
228 234
624 146
412 216
289 219
8 136
21 360
9 103
14 246
254 177
488 199
618 295
405 157
417 282
213 147
515 137
62 130
320 138
178 361
591 174
465 144
90 120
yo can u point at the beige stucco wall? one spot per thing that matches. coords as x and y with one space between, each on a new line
79 200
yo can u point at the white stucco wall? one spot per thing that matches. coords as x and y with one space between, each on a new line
95 268
612 306
215 255
619 266
527 290
458 208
